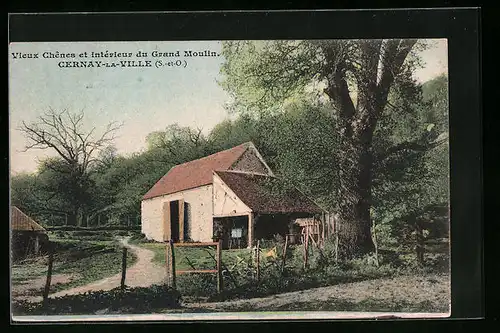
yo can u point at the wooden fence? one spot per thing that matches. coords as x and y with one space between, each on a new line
172 272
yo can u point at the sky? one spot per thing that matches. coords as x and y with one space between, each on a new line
142 99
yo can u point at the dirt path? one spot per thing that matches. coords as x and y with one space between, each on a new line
404 289
141 274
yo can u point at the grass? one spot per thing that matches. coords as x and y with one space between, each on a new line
197 256
92 268
84 259
241 284
27 271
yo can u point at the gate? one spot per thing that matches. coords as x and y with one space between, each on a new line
172 272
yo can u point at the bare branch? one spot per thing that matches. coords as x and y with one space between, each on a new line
64 133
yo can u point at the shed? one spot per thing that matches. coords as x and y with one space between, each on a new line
232 195
28 237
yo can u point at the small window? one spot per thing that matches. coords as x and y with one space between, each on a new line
236 233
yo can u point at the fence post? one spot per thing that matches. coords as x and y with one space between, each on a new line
284 254
219 266
167 264
172 260
49 277
124 268
258 260
336 230
306 248
374 236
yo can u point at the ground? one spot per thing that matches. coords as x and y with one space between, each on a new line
77 262
405 292
144 272
402 293
141 274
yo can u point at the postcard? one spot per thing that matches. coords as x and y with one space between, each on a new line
229 179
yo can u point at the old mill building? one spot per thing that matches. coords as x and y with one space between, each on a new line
232 195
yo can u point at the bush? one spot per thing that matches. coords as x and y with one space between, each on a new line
197 285
131 300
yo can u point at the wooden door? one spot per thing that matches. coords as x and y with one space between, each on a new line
181 220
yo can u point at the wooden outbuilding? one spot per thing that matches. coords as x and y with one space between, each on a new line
28 237
232 195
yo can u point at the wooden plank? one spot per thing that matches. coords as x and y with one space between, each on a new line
181 220
284 254
49 277
197 271
166 222
219 266
250 229
124 268
172 260
196 244
167 263
37 245
229 215
258 260
306 248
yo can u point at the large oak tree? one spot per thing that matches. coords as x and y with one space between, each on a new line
355 77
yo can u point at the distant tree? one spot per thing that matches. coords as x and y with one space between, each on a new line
178 144
77 151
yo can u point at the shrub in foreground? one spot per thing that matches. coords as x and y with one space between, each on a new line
130 300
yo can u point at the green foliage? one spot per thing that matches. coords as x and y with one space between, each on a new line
297 144
251 71
413 179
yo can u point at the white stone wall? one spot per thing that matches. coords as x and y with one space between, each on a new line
200 222
225 200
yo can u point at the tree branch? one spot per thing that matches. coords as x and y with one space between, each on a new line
66 136
417 146
393 56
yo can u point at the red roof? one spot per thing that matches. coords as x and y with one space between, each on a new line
195 173
267 194
22 222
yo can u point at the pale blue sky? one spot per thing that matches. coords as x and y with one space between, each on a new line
143 99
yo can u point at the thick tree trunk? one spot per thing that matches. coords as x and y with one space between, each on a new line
355 200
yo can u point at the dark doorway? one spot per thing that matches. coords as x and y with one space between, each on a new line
174 220
267 226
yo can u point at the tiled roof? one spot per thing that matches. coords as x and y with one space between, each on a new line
22 222
195 173
267 194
